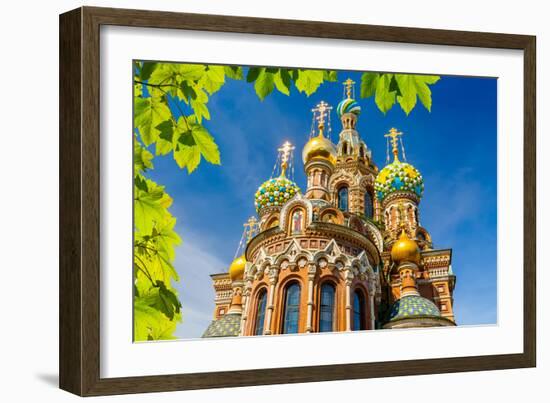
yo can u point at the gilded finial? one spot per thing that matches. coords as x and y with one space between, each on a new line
285 151
394 135
348 84
320 112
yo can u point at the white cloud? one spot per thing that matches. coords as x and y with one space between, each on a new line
194 263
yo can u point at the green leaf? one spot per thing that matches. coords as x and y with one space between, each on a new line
205 142
213 79
147 69
384 98
189 72
330 75
411 86
142 157
188 157
164 142
186 92
308 81
369 81
148 114
200 109
234 72
253 73
282 81
150 207
264 84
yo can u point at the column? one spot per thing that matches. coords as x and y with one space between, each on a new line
310 277
273 276
246 295
348 280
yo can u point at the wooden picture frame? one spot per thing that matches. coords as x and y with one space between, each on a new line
79 346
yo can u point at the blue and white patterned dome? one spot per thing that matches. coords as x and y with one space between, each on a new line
348 105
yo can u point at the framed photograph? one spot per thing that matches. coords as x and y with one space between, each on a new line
249 201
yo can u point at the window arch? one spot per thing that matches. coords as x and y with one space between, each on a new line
343 198
362 152
359 311
327 306
260 313
291 313
368 205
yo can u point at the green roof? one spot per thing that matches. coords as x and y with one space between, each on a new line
229 325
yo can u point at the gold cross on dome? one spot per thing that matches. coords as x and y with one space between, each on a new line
322 110
250 227
393 135
349 85
285 151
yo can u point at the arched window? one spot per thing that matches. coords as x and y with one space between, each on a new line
297 221
344 148
260 313
343 198
361 152
368 205
326 314
359 311
291 313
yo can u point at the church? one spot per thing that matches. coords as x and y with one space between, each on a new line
348 253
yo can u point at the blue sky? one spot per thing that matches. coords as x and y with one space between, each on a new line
454 147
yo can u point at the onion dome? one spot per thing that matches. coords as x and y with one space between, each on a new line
413 306
236 269
229 325
348 106
277 191
319 147
398 176
405 250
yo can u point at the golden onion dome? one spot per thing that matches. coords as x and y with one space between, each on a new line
319 147
405 250
236 269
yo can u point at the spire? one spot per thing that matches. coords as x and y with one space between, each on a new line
394 135
320 113
285 152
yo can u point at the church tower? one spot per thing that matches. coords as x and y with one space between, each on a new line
352 184
319 157
399 188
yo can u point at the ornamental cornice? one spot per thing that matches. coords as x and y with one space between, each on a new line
400 195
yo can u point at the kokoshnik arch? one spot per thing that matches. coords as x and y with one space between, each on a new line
347 254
